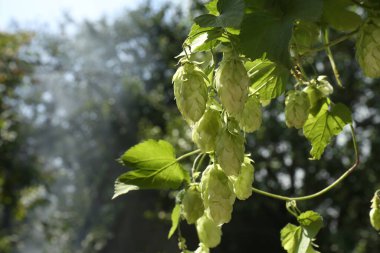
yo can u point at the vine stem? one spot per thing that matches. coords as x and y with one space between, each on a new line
323 191
187 155
329 44
331 58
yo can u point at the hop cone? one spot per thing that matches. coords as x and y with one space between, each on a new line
206 130
192 205
202 249
375 211
243 183
297 107
318 88
190 91
368 48
324 86
250 119
232 84
217 194
230 152
209 233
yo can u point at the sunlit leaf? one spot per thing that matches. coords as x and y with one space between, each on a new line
323 124
154 167
268 79
311 222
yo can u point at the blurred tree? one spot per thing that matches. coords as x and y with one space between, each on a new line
19 176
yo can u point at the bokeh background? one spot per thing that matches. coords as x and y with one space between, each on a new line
82 81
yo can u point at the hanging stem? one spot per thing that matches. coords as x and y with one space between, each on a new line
196 169
323 191
187 155
331 58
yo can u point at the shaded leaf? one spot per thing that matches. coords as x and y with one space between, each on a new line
231 14
175 216
264 33
336 14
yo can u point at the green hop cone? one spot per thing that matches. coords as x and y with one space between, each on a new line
206 130
251 117
242 184
209 233
217 194
229 152
297 108
317 89
374 214
232 83
324 86
190 91
368 48
202 249
305 35
192 205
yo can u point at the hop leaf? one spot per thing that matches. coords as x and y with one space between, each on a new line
206 130
375 211
192 205
251 117
209 233
305 35
230 152
232 84
190 91
218 197
368 48
297 107
242 184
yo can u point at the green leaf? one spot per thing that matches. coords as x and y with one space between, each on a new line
295 240
311 222
268 78
231 14
265 33
336 14
322 125
212 7
176 214
268 29
310 10
155 167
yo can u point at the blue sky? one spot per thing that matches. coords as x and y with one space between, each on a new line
28 13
